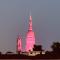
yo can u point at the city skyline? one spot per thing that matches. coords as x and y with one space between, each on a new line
14 17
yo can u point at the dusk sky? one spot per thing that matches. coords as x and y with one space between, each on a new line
14 18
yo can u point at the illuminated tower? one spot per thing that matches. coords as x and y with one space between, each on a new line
30 38
19 47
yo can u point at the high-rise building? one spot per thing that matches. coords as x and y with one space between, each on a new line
19 44
30 38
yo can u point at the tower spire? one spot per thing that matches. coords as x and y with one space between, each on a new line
30 22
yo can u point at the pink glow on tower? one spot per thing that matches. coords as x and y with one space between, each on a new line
30 24
19 47
30 39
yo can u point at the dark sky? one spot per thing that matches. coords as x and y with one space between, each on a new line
14 17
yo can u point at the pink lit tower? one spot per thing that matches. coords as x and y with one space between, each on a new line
19 44
30 38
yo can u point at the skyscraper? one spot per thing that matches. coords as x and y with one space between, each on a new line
30 38
19 44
